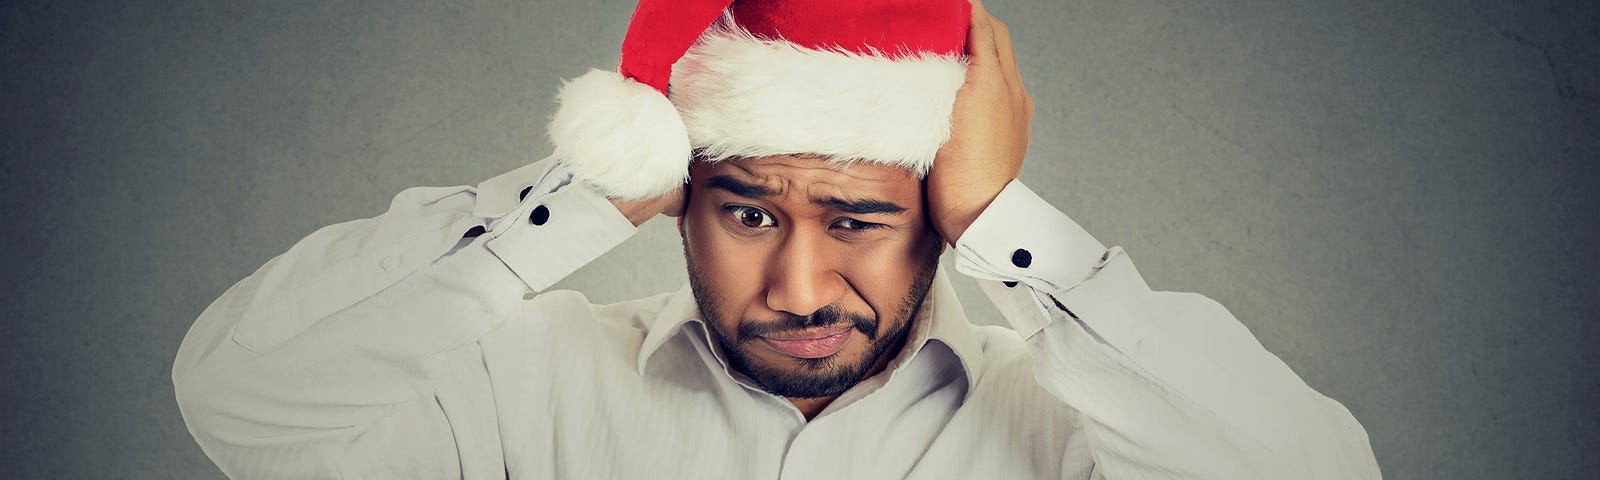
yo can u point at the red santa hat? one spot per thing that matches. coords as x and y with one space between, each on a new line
847 80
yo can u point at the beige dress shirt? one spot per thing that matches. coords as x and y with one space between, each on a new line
392 347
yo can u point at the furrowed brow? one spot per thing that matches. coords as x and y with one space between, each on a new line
860 207
736 187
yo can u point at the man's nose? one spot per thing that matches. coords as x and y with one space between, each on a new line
803 277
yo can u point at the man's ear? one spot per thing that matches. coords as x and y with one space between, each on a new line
686 198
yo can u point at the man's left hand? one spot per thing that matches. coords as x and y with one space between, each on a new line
989 131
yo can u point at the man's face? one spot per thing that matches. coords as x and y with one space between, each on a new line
807 272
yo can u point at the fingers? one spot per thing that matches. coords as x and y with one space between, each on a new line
1006 55
1008 65
989 44
981 39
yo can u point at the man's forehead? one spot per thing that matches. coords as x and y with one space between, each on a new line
780 171
862 189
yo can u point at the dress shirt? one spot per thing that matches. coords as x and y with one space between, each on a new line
393 347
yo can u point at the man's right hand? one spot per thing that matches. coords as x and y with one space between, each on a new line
641 210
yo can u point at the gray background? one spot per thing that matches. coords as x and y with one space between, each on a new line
1397 198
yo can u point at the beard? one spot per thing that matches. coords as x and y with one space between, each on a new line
814 377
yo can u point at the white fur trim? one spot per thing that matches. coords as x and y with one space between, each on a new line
620 136
742 96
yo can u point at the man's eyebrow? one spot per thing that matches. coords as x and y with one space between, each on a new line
866 206
736 187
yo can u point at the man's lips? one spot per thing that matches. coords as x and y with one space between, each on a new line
809 343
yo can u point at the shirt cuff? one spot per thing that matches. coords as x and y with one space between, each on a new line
556 227
1021 239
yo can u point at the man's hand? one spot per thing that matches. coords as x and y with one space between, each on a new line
641 210
989 131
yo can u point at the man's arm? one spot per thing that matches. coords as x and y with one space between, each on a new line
1171 385
326 361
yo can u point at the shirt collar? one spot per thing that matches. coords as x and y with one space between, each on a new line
941 319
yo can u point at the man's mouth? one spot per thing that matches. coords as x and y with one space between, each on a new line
811 342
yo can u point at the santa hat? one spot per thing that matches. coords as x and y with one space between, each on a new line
847 80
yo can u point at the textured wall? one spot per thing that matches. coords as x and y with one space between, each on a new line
1397 198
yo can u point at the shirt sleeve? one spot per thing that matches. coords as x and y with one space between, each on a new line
1171 384
326 361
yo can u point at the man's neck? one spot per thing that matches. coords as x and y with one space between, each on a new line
810 407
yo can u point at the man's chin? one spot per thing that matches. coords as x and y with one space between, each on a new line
793 377
784 365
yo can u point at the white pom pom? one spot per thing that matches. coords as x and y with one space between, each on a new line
619 136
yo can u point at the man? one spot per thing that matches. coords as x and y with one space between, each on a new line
839 146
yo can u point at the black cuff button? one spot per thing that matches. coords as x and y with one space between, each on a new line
540 215
1010 284
1021 258
524 194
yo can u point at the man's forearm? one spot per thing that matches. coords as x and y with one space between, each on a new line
1171 383
300 360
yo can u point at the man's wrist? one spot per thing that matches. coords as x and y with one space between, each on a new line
953 218
642 210
637 211
953 224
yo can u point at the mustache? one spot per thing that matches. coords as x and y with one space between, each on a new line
828 316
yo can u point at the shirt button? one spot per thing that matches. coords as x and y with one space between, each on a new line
390 262
540 215
524 193
1021 258
1010 284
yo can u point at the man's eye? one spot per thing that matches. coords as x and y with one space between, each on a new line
853 224
751 217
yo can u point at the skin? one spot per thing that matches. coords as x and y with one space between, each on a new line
800 254
774 240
